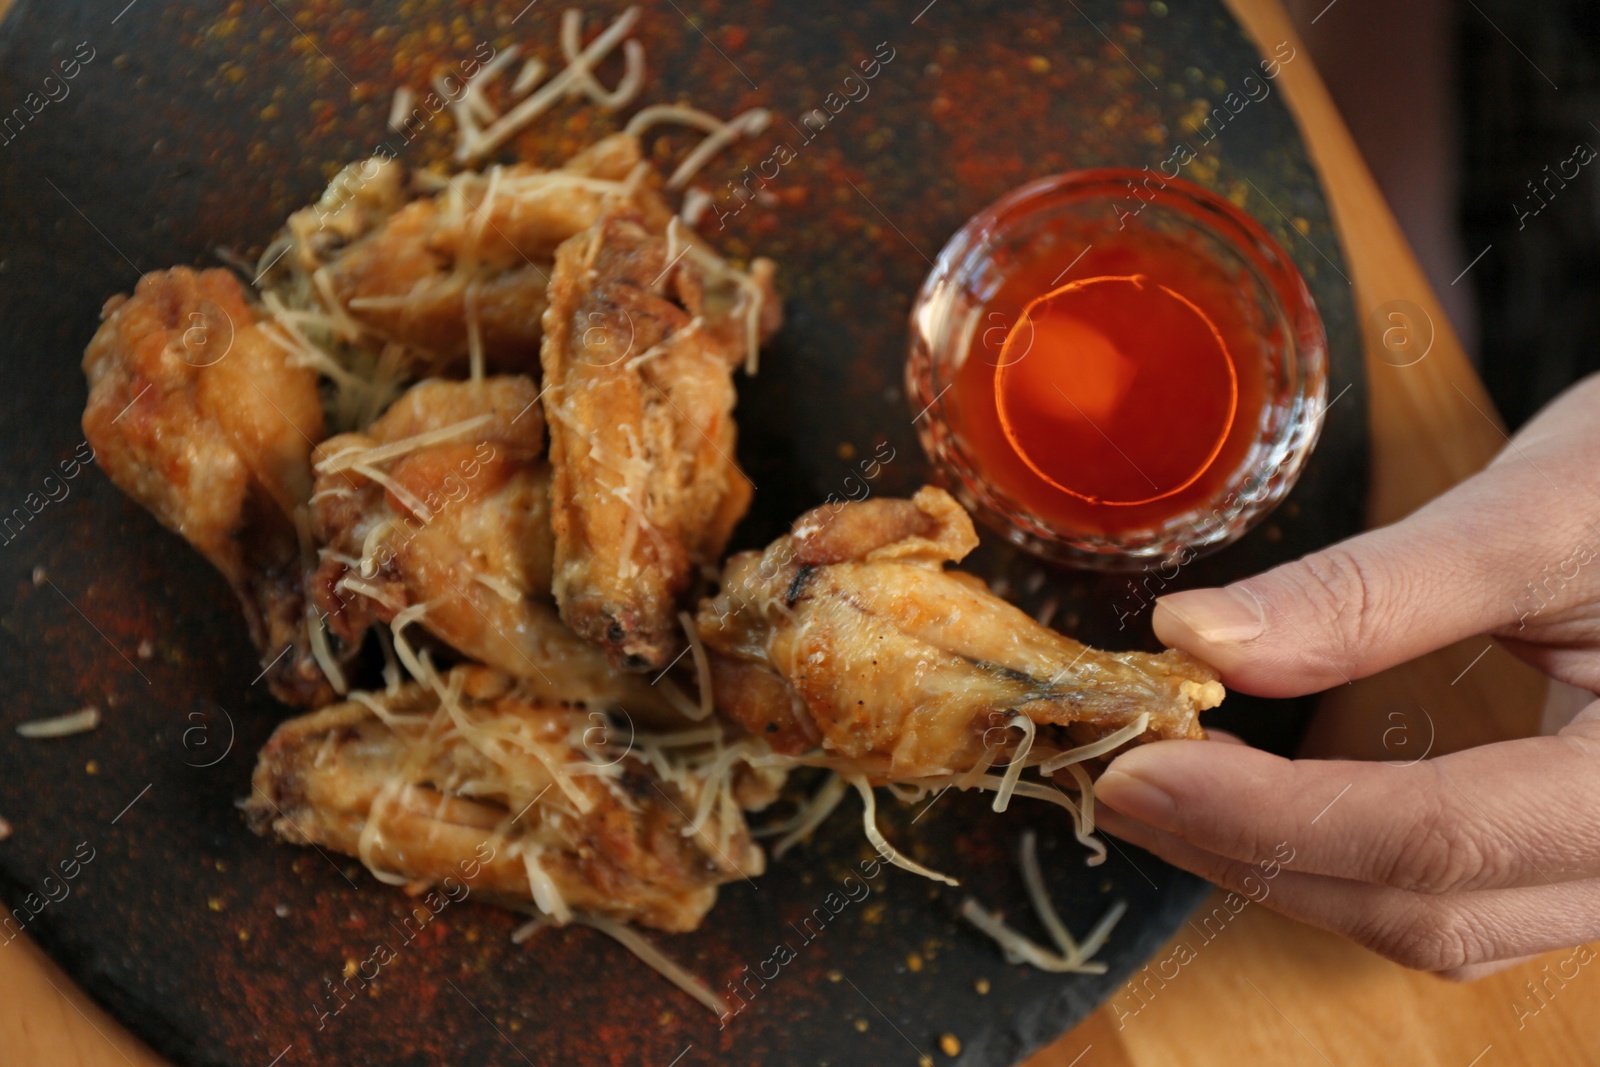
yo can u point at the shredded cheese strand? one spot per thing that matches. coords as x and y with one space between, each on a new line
395 722
813 814
746 124
1020 949
1043 906
1008 781
366 589
1085 795
321 652
1073 957
531 107
654 958
721 767
414 665
682 115
546 896
584 81
372 457
400 107
529 928
869 823
531 74
695 202
371 835
76 722
702 667
409 500
1096 748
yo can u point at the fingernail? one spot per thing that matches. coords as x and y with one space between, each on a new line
1229 614
1137 799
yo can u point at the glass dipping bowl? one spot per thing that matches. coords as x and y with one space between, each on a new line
1095 213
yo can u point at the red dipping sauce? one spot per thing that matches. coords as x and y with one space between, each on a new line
1108 378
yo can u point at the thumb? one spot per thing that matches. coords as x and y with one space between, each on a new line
1457 567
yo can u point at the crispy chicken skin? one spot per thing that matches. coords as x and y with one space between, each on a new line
850 633
407 271
468 793
197 415
641 339
461 525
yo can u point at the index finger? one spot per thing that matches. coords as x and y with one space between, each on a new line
1459 566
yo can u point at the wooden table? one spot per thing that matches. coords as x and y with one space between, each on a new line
1266 990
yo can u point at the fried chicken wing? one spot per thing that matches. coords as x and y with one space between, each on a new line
199 416
420 273
850 632
519 799
641 338
444 505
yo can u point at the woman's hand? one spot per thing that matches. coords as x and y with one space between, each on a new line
1485 855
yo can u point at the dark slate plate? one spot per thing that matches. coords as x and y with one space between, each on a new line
188 128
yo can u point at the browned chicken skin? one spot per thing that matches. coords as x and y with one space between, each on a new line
460 524
642 335
521 800
199 416
850 633
408 273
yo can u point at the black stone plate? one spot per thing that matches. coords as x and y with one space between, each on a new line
187 127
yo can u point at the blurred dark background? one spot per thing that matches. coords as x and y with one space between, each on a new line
1481 122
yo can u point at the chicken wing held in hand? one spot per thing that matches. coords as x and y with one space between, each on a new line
640 343
197 414
849 633
547 806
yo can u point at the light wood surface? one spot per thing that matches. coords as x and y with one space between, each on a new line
1264 990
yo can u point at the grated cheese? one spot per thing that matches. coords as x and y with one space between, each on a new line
812 814
1069 956
1043 906
655 959
474 143
679 114
1085 794
371 457
77 722
583 79
719 770
338 319
1008 781
373 704
400 108
321 652
531 74
529 928
545 893
746 124
695 202
1097 748
371 836
366 589
869 823
751 293
680 702
499 585
409 500
415 665
371 544
702 666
